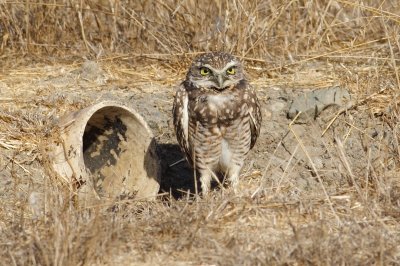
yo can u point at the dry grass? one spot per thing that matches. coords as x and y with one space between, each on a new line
300 44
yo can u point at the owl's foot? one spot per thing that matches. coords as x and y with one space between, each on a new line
235 185
234 178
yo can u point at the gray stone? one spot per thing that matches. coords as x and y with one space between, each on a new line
277 106
312 103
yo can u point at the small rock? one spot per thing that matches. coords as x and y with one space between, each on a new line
91 71
277 101
312 103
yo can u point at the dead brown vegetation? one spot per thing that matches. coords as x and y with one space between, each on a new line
298 44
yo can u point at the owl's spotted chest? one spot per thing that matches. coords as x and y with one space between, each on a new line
217 109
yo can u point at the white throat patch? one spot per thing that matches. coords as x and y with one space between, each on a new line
219 100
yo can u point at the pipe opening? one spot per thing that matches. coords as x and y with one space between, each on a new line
114 147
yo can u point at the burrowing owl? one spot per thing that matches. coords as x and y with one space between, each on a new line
217 117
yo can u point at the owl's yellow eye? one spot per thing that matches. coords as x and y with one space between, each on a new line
231 71
204 71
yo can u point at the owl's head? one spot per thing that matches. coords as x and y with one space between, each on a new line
216 71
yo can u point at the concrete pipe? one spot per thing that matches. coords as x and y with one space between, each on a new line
106 150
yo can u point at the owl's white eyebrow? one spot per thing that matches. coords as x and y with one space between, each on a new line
221 71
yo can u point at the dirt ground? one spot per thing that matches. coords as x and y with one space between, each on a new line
314 190
320 187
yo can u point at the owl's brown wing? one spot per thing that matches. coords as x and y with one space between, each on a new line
255 115
181 120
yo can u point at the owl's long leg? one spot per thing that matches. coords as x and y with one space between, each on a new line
238 147
207 148
205 179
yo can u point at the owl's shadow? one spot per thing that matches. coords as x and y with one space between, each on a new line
177 176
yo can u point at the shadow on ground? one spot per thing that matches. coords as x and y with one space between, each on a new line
177 178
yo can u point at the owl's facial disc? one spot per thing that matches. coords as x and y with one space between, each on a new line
218 79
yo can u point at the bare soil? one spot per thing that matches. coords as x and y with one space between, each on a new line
320 190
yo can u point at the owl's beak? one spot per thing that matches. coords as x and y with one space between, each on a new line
221 80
